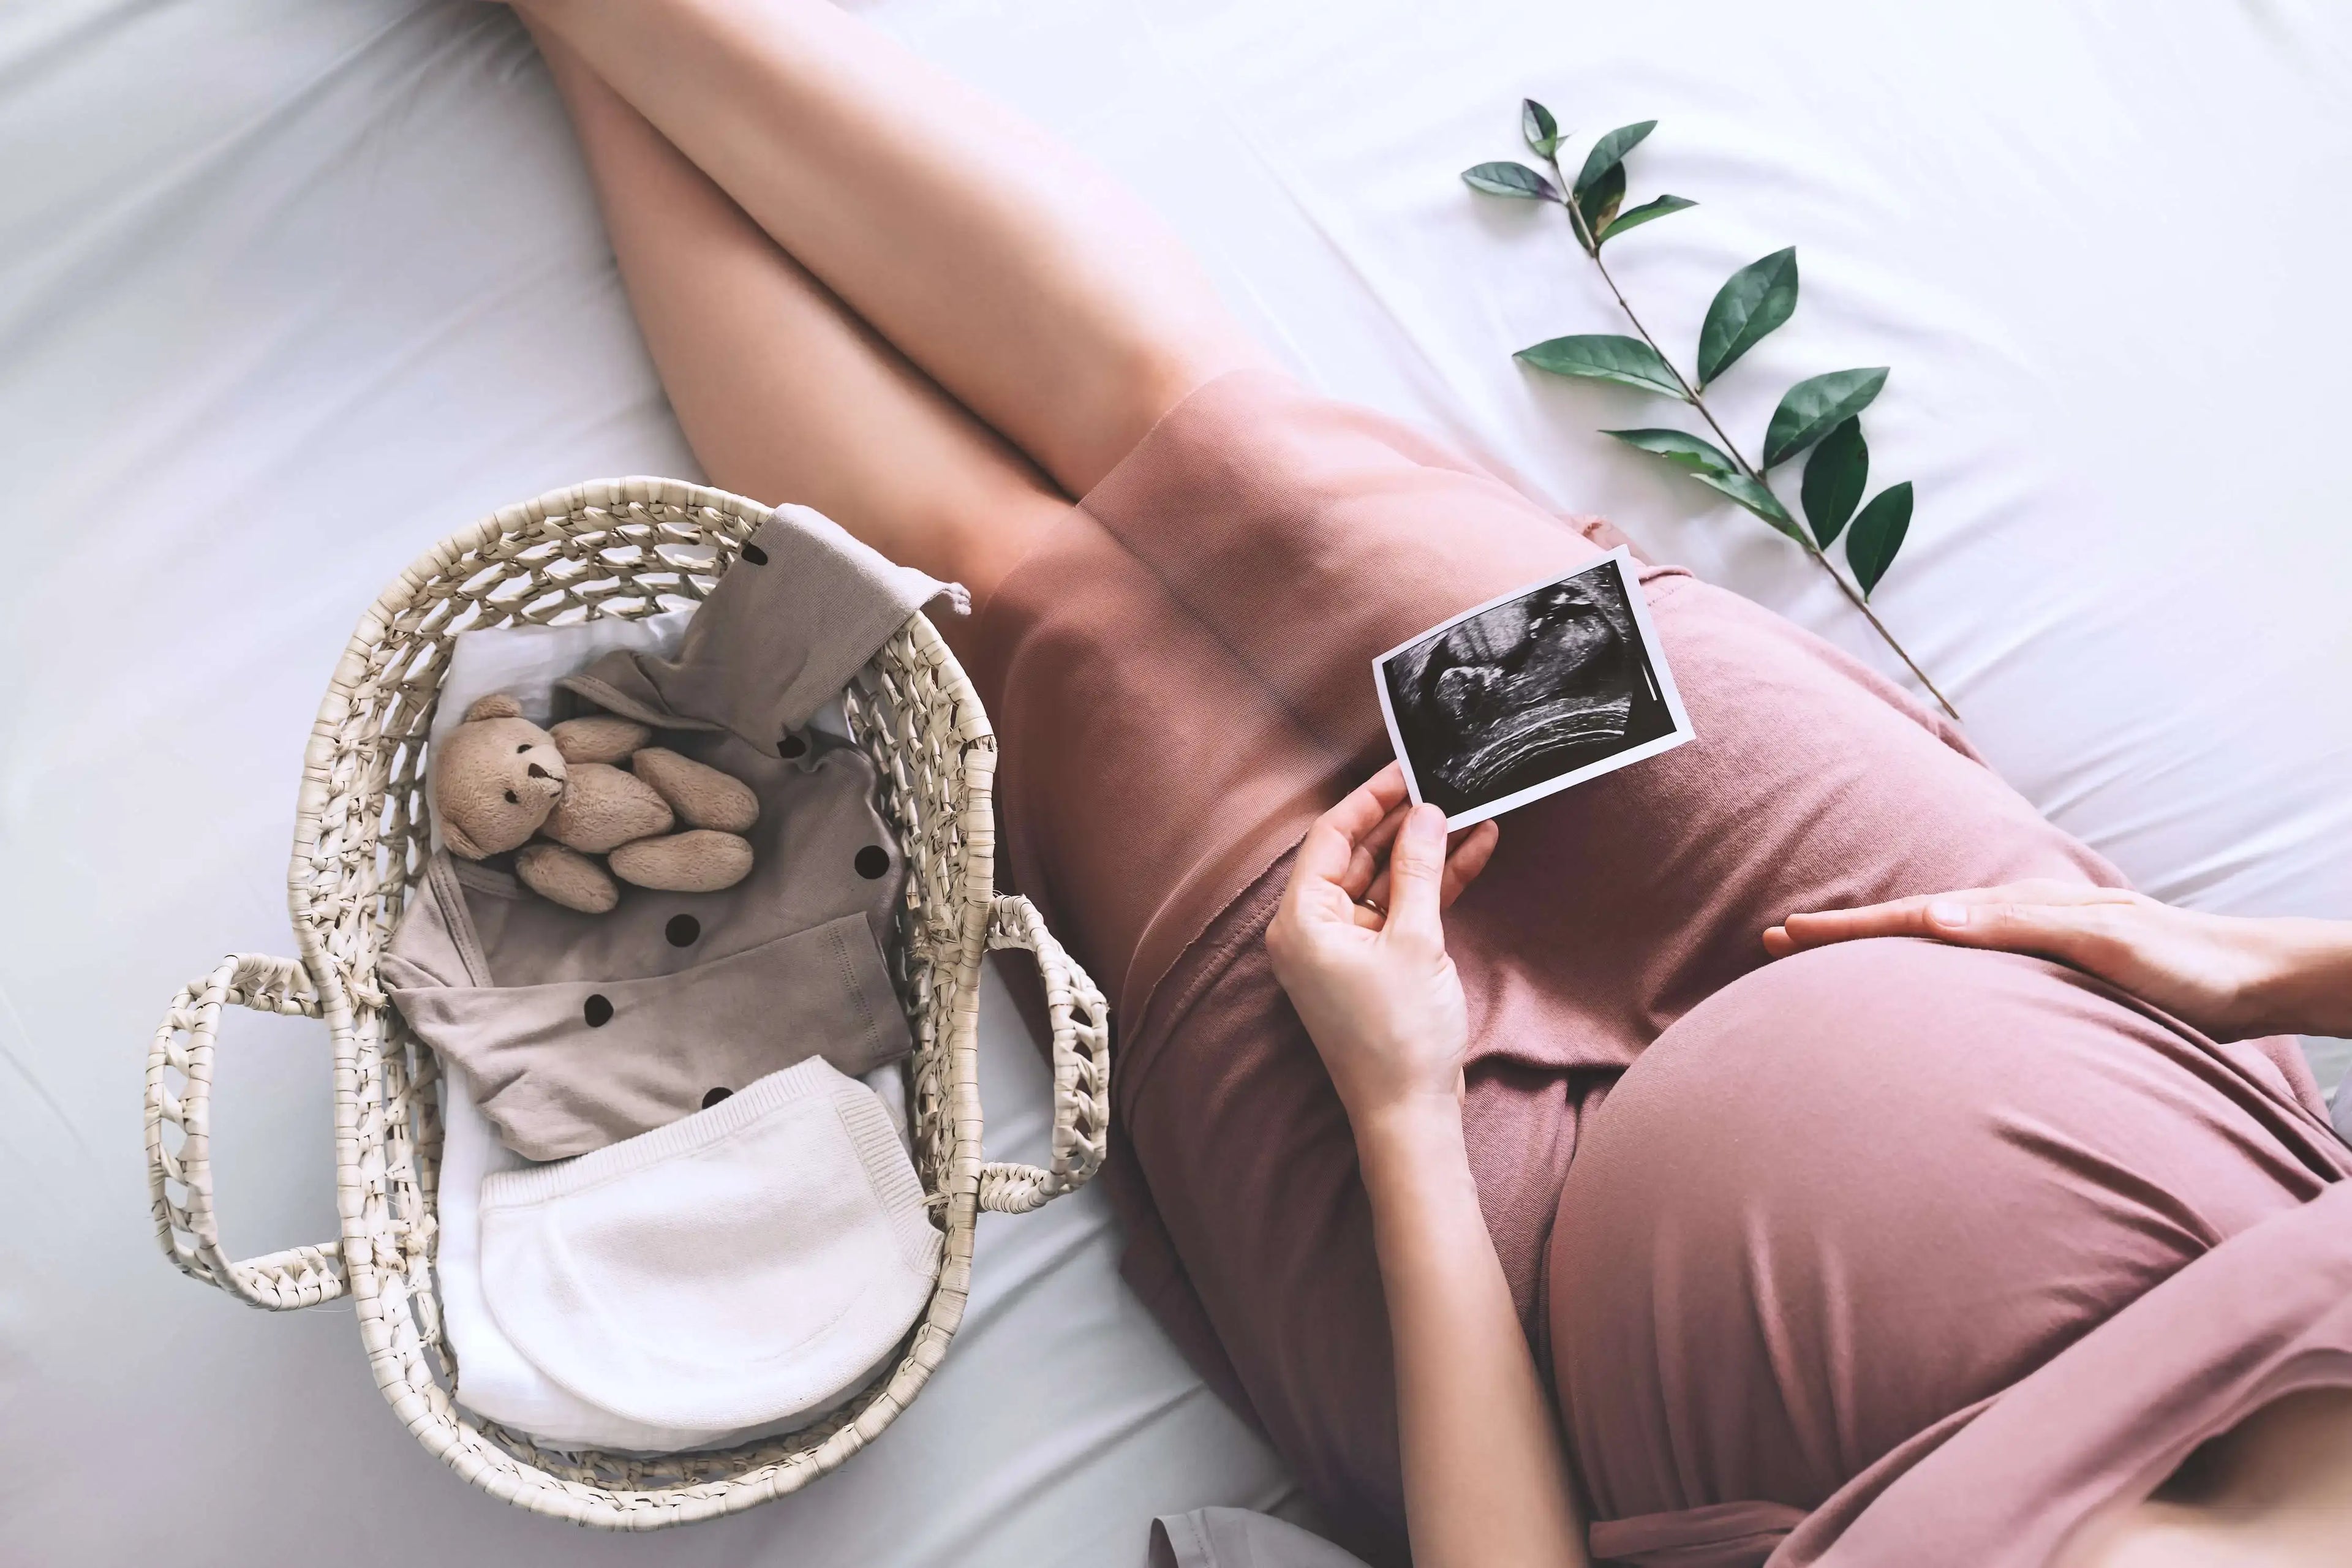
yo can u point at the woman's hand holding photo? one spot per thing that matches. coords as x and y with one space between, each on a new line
1361 950
2226 976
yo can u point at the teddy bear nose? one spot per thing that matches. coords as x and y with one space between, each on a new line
538 773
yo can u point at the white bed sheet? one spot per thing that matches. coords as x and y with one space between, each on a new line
290 288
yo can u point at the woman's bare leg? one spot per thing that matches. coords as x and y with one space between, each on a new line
784 394
1022 278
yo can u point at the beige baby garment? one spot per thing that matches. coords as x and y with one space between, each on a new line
578 1030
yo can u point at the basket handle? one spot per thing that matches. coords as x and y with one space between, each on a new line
189 1233
1081 1023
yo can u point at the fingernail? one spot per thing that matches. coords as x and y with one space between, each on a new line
1947 914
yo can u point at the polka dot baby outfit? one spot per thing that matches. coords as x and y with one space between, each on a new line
579 1030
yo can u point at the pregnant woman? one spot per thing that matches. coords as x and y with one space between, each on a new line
1606 1232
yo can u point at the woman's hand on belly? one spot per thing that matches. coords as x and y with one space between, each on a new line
2228 976
1361 949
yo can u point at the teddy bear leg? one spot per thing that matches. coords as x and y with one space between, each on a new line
701 860
566 877
702 796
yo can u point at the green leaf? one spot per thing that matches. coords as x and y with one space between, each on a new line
1757 499
1604 356
1681 448
1644 214
1835 476
1509 179
1541 130
1877 534
1599 202
1757 297
1815 406
1707 464
1610 152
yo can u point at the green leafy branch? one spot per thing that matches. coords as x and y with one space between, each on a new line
1821 414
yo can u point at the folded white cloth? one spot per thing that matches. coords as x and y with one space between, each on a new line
749 1263
495 1379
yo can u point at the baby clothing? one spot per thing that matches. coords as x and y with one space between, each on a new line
575 1029
725 1271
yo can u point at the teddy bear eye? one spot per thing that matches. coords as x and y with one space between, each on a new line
513 799
521 749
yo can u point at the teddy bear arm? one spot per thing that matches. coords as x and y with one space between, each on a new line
702 796
599 738
604 807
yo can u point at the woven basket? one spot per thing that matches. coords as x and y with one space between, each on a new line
628 548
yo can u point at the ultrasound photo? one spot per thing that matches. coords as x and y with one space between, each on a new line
1530 693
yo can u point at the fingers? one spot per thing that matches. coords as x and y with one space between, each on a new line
1417 875
1339 856
2038 916
1340 861
1471 851
1462 864
1364 868
1899 917
1385 792
1328 852
2068 930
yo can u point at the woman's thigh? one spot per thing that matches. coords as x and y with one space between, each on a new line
1871 1186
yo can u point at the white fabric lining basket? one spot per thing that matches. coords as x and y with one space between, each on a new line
628 547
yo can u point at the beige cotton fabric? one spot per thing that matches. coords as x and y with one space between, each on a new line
568 1065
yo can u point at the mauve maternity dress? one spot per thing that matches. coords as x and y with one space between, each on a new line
1778 1232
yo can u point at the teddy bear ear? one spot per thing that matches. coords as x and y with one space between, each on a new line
497 705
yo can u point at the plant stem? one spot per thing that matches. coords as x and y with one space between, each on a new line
1690 395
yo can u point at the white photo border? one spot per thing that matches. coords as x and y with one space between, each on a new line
1623 559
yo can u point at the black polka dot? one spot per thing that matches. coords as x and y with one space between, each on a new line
791 746
683 930
714 1096
598 1012
873 861
755 555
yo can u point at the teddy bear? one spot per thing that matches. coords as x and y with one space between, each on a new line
560 798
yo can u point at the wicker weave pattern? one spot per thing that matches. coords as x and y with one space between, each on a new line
630 548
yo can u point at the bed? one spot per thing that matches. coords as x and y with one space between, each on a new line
290 290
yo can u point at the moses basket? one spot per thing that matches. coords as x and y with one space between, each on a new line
627 548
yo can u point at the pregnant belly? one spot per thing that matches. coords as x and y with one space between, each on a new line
1857 1192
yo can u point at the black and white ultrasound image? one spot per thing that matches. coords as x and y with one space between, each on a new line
1525 691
